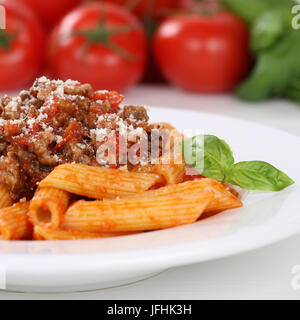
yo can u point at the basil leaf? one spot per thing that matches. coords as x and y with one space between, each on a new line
266 30
211 161
193 151
258 175
213 158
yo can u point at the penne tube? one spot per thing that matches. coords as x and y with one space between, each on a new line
172 168
48 206
169 127
221 200
99 183
14 223
137 214
174 136
5 199
172 174
48 233
171 164
162 125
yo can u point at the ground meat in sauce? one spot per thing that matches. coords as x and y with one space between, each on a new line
57 122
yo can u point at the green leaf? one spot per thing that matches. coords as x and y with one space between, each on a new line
250 10
293 91
193 151
276 44
212 157
247 10
266 30
213 160
258 175
218 157
275 69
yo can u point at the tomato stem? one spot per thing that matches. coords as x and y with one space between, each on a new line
121 51
150 25
149 21
102 35
5 40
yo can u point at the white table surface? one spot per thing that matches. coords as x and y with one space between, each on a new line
262 274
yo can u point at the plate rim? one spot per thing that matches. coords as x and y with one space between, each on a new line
164 258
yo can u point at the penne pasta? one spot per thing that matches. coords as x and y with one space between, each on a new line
169 127
14 223
172 136
99 183
137 178
171 166
48 206
137 214
5 199
172 174
221 200
51 234
162 125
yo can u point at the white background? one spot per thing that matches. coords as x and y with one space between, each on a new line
262 274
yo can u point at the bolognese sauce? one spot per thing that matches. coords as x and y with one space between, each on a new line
58 122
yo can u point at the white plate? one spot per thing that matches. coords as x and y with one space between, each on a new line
84 265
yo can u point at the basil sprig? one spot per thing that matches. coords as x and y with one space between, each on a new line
218 163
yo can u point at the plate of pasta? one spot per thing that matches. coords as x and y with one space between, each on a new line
96 193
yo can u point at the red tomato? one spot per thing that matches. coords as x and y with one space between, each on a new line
21 47
155 8
203 53
196 4
50 11
151 12
104 45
